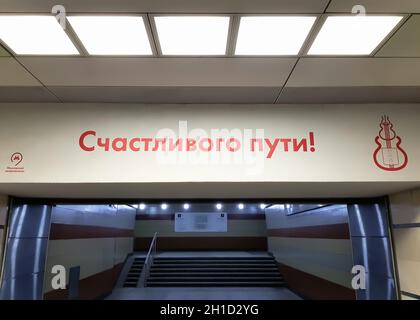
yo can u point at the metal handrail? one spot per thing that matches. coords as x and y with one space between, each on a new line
148 262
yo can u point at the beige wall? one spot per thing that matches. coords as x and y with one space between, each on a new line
344 138
242 234
313 250
329 259
166 228
97 238
405 211
3 213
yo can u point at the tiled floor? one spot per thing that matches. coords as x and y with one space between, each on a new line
202 294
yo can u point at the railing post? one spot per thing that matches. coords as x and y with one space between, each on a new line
148 262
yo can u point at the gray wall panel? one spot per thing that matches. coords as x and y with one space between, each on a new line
30 221
95 215
277 216
372 249
378 288
25 256
368 220
26 287
26 250
374 254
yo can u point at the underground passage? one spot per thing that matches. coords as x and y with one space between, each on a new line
192 250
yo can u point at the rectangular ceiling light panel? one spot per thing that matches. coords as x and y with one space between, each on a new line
192 35
112 35
35 35
272 35
352 35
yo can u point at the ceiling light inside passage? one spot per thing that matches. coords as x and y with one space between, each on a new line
272 35
112 35
192 35
352 35
35 35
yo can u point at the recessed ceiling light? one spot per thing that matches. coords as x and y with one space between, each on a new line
352 35
272 35
164 206
192 35
262 206
219 206
241 206
142 206
37 35
186 206
112 35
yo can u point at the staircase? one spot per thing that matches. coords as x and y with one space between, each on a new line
258 271
134 272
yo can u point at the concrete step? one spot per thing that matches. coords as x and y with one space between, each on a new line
131 281
224 265
213 279
134 272
134 285
215 284
208 271
214 274
185 269
212 258
130 284
213 262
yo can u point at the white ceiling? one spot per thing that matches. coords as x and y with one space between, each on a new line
170 6
377 6
212 6
392 74
405 43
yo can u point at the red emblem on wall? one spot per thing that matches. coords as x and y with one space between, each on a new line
389 155
15 159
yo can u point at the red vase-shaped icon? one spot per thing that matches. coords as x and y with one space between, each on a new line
389 155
